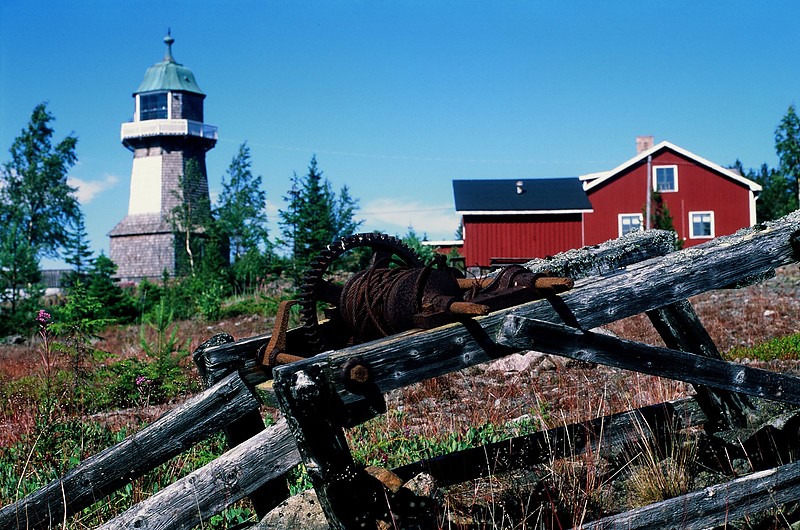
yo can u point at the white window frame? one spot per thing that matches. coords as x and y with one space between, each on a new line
691 225
674 168
621 216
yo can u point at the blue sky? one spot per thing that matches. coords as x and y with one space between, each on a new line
399 98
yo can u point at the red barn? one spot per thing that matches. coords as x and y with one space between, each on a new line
507 221
511 221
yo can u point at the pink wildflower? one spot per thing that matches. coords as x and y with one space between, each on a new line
43 318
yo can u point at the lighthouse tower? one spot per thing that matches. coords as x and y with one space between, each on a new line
167 137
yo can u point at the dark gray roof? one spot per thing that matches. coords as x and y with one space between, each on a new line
552 195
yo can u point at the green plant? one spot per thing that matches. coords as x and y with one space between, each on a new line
209 301
156 378
298 480
786 347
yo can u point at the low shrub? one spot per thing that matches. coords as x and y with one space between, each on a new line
782 348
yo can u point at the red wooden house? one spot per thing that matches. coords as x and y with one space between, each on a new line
505 225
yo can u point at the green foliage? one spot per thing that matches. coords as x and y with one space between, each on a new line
112 302
786 347
374 443
54 450
233 517
79 325
77 250
459 234
298 480
314 217
155 379
415 243
660 216
61 445
253 305
190 217
241 210
19 280
209 301
35 195
344 211
787 147
777 197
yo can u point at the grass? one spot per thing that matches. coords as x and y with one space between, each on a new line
779 348
47 427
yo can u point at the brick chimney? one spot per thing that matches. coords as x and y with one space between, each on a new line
643 143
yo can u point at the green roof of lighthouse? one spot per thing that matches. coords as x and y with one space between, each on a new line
168 75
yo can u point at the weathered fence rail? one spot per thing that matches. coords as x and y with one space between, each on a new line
319 399
109 470
632 275
714 505
236 474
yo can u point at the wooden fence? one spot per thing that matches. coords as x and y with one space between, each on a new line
635 274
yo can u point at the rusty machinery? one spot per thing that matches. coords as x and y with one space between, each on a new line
394 292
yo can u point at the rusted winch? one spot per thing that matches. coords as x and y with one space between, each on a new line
396 292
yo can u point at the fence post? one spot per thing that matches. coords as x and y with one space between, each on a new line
681 329
348 496
275 491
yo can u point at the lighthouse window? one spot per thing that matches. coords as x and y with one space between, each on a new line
153 106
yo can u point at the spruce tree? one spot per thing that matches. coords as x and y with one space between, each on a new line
241 219
308 223
78 253
787 147
20 279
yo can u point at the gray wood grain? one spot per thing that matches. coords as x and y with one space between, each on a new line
712 506
109 470
407 358
193 499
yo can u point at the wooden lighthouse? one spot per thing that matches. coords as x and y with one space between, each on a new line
169 140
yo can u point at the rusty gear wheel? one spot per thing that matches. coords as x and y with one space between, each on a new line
316 288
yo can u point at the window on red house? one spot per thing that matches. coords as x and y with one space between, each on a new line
701 225
665 178
629 222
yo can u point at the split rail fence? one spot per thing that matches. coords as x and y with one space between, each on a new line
635 274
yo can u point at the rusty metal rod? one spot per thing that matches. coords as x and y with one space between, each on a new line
469 283
468 309
554 283
286 358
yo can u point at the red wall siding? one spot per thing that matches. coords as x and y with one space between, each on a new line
699 189
518 236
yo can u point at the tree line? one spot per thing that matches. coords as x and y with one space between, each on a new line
781 185
225 248
230 240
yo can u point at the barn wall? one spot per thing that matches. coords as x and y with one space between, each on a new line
699 189
490 237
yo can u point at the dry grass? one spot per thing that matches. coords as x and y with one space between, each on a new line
563 492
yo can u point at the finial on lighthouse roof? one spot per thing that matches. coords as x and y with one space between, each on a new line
168 74
169 40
